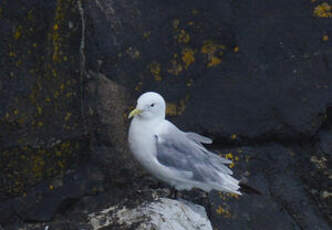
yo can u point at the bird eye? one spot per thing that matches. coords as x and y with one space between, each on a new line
152 105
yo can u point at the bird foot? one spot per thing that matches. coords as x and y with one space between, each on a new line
174 194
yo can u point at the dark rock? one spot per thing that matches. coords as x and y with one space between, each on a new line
325 143
108 102
245 73
253 70
47 199
285 202
41 121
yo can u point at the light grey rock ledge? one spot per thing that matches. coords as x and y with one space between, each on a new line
161 214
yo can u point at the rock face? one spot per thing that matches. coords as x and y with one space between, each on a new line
255 76
162 214
258 71
288 180
42 127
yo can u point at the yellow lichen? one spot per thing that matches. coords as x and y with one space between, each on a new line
6 116
224 212
68 115
65 145
325 38
210 47
55 27
18 63
213 52
20 121
26 166
139 86
147 34
188 57
176 68
323 10
247 158
229 155
214 61
69 94
55 34
189 83
56 94
39 109
61 164
183 37
194 11
18 32
155 69
34 164
174 109
58 153
183 104
38 164
133 52
171 109
176 23
236 49
30 15
228 196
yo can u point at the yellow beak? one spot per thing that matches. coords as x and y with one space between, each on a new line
134 113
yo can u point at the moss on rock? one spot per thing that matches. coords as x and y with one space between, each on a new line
41 94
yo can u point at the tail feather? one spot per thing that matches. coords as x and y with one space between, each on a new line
245 188
229 184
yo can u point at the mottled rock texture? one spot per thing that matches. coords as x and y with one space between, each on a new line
42 128
162 214
254 75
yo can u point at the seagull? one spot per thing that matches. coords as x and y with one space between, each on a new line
173 156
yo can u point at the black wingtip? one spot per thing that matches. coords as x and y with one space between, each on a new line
245 188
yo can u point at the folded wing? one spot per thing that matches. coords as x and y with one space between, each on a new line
184 151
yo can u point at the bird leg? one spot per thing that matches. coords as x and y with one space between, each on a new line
174 193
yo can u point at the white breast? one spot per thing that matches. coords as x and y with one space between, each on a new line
141 140
141 143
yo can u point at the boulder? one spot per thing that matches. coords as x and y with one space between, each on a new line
161 214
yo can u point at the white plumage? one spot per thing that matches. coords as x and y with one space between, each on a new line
173 156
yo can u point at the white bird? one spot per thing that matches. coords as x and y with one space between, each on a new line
175 157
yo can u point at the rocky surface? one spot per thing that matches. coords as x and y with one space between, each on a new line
255 76
42 128
288 178
161 214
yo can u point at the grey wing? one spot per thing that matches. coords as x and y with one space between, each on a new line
198 138
175 149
